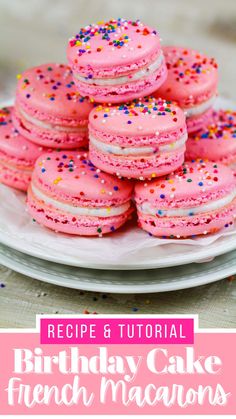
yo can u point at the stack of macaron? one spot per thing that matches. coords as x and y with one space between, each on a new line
127 125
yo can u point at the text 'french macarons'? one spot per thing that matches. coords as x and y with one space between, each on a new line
48 109
68 194
117 61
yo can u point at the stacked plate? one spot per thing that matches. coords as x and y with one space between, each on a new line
127 262
141 281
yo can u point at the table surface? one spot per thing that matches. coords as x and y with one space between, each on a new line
212 30
21 298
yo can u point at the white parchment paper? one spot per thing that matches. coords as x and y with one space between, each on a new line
129 245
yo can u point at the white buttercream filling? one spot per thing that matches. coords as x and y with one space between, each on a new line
124 79
46 125
136 151
146 208
198 109
87 211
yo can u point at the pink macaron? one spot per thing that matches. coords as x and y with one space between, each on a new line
17 154
68 194
117 61
142 139
198 199
217 141
48 109
192 82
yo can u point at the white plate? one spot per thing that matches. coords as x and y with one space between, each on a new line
128 249
146 281
168 255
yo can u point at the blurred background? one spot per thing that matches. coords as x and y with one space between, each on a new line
37 31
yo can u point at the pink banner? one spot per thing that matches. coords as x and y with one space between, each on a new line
116 331
121 379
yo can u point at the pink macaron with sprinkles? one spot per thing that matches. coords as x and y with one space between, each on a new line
140 140
198 199
17 154
192 82
68 194
48 110
217 141
117 61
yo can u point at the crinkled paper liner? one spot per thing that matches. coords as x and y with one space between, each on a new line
127 246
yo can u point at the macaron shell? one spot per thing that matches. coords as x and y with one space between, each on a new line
217 141
183 227
49 137
14 177
48 91
112 44
198 122
195 183
145 167
70 176
212 150
17 154
13 144
142 117
66 223
126 91
192 77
